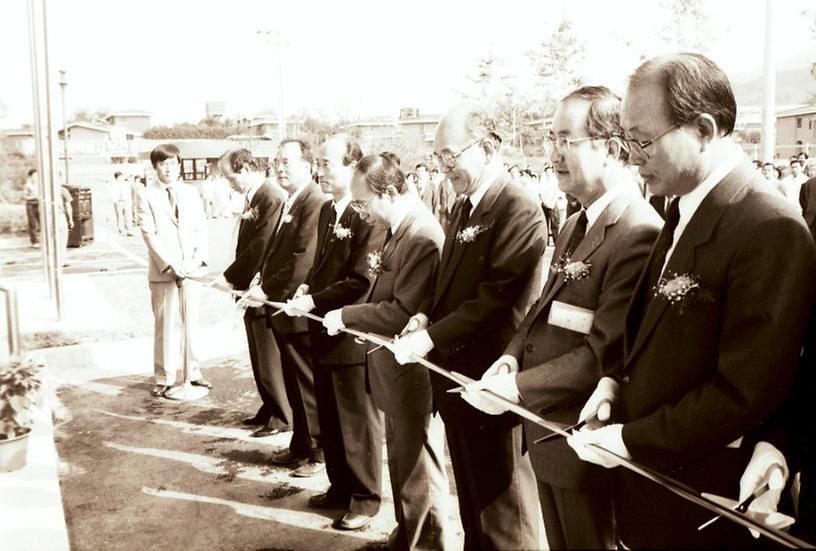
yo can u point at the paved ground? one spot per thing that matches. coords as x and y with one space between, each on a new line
142 473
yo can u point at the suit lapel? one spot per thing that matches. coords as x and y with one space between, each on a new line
393 244
698 232
325 233
457 249
284 228
160 196
588 245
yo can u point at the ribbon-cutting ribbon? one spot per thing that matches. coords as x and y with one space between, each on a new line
666 482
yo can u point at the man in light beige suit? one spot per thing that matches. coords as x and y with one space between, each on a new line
171 217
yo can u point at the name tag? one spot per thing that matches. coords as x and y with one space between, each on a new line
572 318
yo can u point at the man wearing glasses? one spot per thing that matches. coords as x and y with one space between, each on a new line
715 327
492 249
574 333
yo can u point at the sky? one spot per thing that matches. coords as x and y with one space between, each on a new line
341 59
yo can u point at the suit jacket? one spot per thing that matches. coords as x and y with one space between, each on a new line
254 233
561 367
169 240
479 284
289 256
339 276
704 372
410 262
807 200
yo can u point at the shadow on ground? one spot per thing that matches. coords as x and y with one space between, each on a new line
138 472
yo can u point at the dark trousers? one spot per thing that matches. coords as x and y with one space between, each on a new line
577 519
265 358
33 215
351 435
299 382
495 486
416 464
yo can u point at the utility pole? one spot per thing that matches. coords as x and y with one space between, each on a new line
63 83
45 137
768 134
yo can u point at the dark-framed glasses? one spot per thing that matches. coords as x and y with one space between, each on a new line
639 146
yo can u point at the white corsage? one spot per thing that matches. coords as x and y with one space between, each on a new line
470 233
572 271
250 214
287 218
375 263
679 290
342 232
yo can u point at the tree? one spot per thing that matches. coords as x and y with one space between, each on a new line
688 28
556 64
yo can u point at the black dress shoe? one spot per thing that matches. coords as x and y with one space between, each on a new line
159 390
327 500
264 431
201 382
287 458
254 421
352 521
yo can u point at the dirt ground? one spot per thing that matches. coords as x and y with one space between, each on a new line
138 472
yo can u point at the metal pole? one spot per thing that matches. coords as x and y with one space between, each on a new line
52 167
46 229
63 83
768 135
281 116
12 320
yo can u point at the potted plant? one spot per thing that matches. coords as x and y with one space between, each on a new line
20 383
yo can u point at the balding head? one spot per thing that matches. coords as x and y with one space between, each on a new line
466 142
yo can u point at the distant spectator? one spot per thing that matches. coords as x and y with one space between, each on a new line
65 223
758 164
803 157
121 192
424 186
791 183
810 169
31 194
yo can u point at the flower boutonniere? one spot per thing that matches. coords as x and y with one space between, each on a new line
287 218
470 233
341 232
572 271
375 263
679 290
250 214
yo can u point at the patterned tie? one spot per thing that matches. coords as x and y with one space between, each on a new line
578 233
664 243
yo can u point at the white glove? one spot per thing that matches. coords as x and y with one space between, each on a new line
301 290
417 322
303 303
500 378
600 402
418 344
253 297
609 437
767 464
333 321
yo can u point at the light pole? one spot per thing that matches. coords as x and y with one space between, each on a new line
63 83
275 38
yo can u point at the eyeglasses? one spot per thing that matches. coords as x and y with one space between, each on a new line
449 159
639 146
562 143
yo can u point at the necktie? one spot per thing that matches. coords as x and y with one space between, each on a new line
329 229
578 233
466 207
664 243
171 196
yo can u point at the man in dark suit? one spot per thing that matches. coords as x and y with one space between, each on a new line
409 263
262 210
287 260
807 200
492 250
350 425
715 327
574 333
